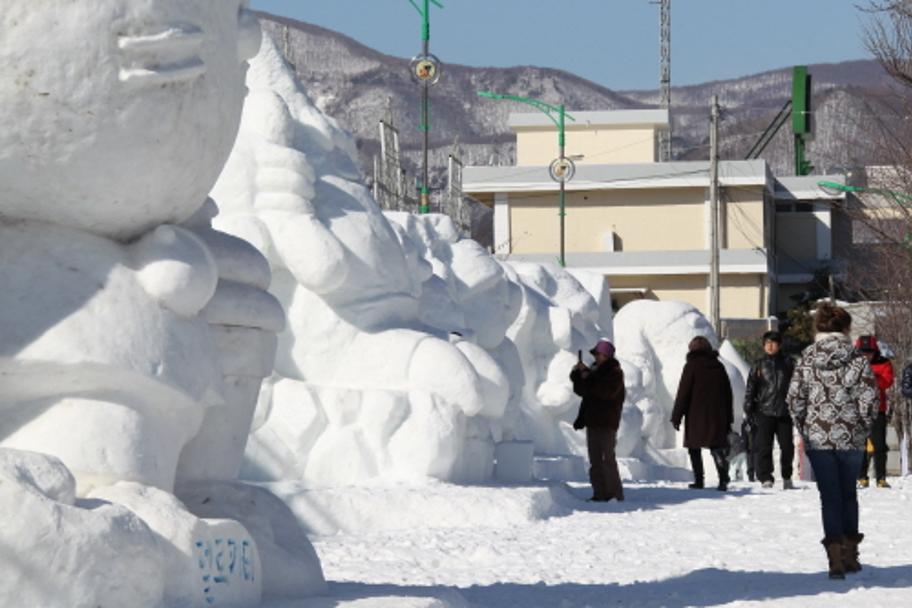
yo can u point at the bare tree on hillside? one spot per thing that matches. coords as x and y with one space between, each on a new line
880 266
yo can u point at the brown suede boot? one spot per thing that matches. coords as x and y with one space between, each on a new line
834 551
850 552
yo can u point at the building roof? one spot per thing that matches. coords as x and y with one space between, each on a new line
588 120
616 176
731 261
805 188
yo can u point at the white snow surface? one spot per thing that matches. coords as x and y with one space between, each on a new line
544 546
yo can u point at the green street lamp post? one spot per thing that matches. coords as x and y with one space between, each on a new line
562 168
425 68
900 198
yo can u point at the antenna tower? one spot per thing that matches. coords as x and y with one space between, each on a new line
665 75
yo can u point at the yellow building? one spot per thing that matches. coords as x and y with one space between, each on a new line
646 224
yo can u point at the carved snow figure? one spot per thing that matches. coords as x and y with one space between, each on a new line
469 294
105 361
557 319
244 319
651 339
120 324
373 392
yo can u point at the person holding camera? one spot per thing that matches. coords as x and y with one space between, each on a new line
602 389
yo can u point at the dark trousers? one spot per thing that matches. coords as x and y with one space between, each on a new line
720 458
780 429
879 438
603 468
836 472
750 442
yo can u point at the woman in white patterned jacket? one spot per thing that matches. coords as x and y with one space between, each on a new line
833 400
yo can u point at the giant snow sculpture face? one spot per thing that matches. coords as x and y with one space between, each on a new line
118 114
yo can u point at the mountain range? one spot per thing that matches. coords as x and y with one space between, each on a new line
359 86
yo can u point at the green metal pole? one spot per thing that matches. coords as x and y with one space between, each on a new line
559 121
425 202
561 142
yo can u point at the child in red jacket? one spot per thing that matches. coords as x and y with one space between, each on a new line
883 374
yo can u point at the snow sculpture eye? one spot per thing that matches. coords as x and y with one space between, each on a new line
170 55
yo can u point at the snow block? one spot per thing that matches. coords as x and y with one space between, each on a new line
560 468
513 461
291 567
209 562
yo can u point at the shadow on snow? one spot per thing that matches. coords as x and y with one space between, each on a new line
702 588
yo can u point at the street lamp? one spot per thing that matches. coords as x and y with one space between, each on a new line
425 69
562 168
900 198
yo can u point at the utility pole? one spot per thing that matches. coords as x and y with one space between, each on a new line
714 224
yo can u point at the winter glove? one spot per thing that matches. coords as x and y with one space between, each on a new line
676 425
578 424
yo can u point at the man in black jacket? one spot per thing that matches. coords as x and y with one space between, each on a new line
765 404
602 390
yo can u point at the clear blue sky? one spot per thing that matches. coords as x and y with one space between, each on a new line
612 42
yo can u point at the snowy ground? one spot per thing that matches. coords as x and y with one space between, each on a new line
545 546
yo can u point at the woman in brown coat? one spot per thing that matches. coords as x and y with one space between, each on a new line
704 401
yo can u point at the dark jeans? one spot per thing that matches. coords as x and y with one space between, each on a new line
768 428
720 457
836 472
603 468
879 439
751 452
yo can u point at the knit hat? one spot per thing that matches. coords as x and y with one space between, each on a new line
604 347
867 344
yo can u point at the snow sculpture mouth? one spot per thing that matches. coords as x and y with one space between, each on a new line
169 56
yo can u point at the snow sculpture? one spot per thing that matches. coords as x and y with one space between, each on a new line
651 339
126 321
558 318
372 390
244 319
100 158
468 294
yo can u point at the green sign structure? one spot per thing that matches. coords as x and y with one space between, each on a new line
801 117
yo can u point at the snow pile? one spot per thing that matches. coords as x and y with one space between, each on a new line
408 353
58 551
